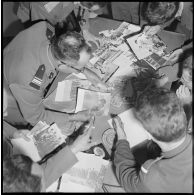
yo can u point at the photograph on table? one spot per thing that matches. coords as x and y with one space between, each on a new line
94 101
115 37
143 46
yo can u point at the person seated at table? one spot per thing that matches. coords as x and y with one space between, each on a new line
31 62
153 16
161 114
61 15
21 174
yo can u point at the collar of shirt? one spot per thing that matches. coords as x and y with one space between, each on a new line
179 149
179 12
44 59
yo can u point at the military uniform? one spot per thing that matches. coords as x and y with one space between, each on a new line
171 172
28 71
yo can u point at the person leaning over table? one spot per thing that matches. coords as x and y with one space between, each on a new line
21 174
58 14
154 16
161 114
31 62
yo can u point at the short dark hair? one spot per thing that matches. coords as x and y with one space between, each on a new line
17 175
185 62
156 13
161 113
68 46
90 4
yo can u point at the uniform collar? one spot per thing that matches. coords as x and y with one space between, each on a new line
179 149
49 63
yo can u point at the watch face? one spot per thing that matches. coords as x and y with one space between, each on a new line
99 152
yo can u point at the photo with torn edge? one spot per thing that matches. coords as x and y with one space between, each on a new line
115 37
143 46
48 139
93 100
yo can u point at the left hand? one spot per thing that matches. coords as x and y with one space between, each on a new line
151 30
90 37
183 93
22 134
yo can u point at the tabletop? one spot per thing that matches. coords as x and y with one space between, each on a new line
173 40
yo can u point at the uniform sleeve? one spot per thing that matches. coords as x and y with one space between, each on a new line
187 46
8 130
32 107
58 165
129 177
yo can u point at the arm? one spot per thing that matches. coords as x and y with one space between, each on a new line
58 164
126 171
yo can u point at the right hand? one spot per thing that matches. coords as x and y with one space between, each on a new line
183 93
119 127
84 115
83 142
175 55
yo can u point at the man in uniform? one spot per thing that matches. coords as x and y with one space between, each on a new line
31 62
161 114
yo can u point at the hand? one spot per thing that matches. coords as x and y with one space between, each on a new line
162 81
119 127
22 134
184 94
90 37
83 142
95 79
175 55
84 115
151 30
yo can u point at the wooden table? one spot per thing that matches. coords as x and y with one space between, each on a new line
173 40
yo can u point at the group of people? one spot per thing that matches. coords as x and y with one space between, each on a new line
33 59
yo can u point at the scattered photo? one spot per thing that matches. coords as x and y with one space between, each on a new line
93 100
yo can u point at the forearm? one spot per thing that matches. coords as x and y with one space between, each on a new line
187 46
126 170
58 165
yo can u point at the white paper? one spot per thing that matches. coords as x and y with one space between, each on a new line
92 100
27 148
133 128
63 91
49 6
85 175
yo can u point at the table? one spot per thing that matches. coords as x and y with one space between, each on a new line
173 40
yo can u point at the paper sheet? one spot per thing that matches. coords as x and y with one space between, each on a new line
92 100
63 91
27 148
132 127
86 175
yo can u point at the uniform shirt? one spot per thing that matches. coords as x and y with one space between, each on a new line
172 172
28 71
54 12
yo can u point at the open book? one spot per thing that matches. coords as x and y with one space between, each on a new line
44 139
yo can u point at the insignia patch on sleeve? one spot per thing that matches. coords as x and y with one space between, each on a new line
38 77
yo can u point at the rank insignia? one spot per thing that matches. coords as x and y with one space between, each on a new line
38 78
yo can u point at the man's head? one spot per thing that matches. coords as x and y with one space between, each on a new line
94 7
162 115
21 174
70 50
186 66
156 13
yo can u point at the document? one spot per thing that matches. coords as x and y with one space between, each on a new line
93 100
63 91
86 175
133 128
